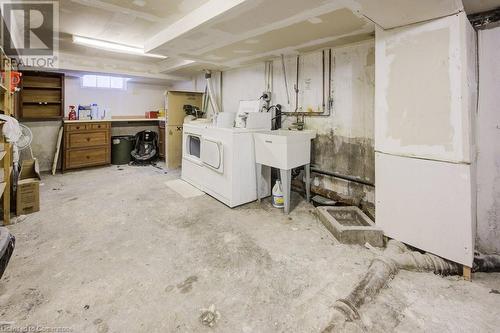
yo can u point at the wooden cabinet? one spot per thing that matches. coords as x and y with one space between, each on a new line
173 153
86 144
161 139
176 101
42 96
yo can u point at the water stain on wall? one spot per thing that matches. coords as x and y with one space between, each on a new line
353 157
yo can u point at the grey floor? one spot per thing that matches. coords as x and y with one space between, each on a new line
116 250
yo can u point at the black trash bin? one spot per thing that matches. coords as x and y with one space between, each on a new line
121 146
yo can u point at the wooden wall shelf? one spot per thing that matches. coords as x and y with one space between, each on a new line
42 96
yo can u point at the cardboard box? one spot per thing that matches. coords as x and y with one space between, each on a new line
175 105
28 188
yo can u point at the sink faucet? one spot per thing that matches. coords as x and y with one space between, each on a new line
243 118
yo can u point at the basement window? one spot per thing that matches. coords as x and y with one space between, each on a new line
105 82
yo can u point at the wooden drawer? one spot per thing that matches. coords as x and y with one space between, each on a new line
95 126
75 127
86 126
86 139
77 158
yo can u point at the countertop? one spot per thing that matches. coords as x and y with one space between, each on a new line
114 120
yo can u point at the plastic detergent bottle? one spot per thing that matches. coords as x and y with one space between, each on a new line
278 200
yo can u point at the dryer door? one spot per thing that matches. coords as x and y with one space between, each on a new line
212 154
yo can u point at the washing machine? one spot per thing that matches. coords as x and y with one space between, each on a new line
221 162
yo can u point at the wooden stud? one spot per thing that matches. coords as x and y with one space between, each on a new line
467 273
58 150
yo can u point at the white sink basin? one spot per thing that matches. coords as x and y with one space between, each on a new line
283 149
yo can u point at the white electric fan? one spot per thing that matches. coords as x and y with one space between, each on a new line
25 139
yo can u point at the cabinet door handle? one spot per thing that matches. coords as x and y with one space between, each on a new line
40 103
88 139
45 103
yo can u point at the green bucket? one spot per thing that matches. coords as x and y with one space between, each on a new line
121 146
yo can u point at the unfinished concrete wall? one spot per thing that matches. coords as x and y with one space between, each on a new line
488 168
345 141
44 142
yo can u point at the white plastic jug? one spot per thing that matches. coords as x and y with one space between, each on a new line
278 200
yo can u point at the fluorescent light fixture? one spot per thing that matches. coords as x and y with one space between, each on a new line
115 47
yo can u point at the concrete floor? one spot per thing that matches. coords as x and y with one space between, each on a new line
116 250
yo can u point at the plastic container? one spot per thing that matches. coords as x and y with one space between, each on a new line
94 113
278 200
72 113
121 146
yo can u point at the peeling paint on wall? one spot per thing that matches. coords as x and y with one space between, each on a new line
345 139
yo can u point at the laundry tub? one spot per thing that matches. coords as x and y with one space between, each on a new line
121 146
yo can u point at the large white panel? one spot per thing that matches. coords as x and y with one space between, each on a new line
423 83
426 204
488 165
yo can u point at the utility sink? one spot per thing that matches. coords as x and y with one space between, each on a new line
283 149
